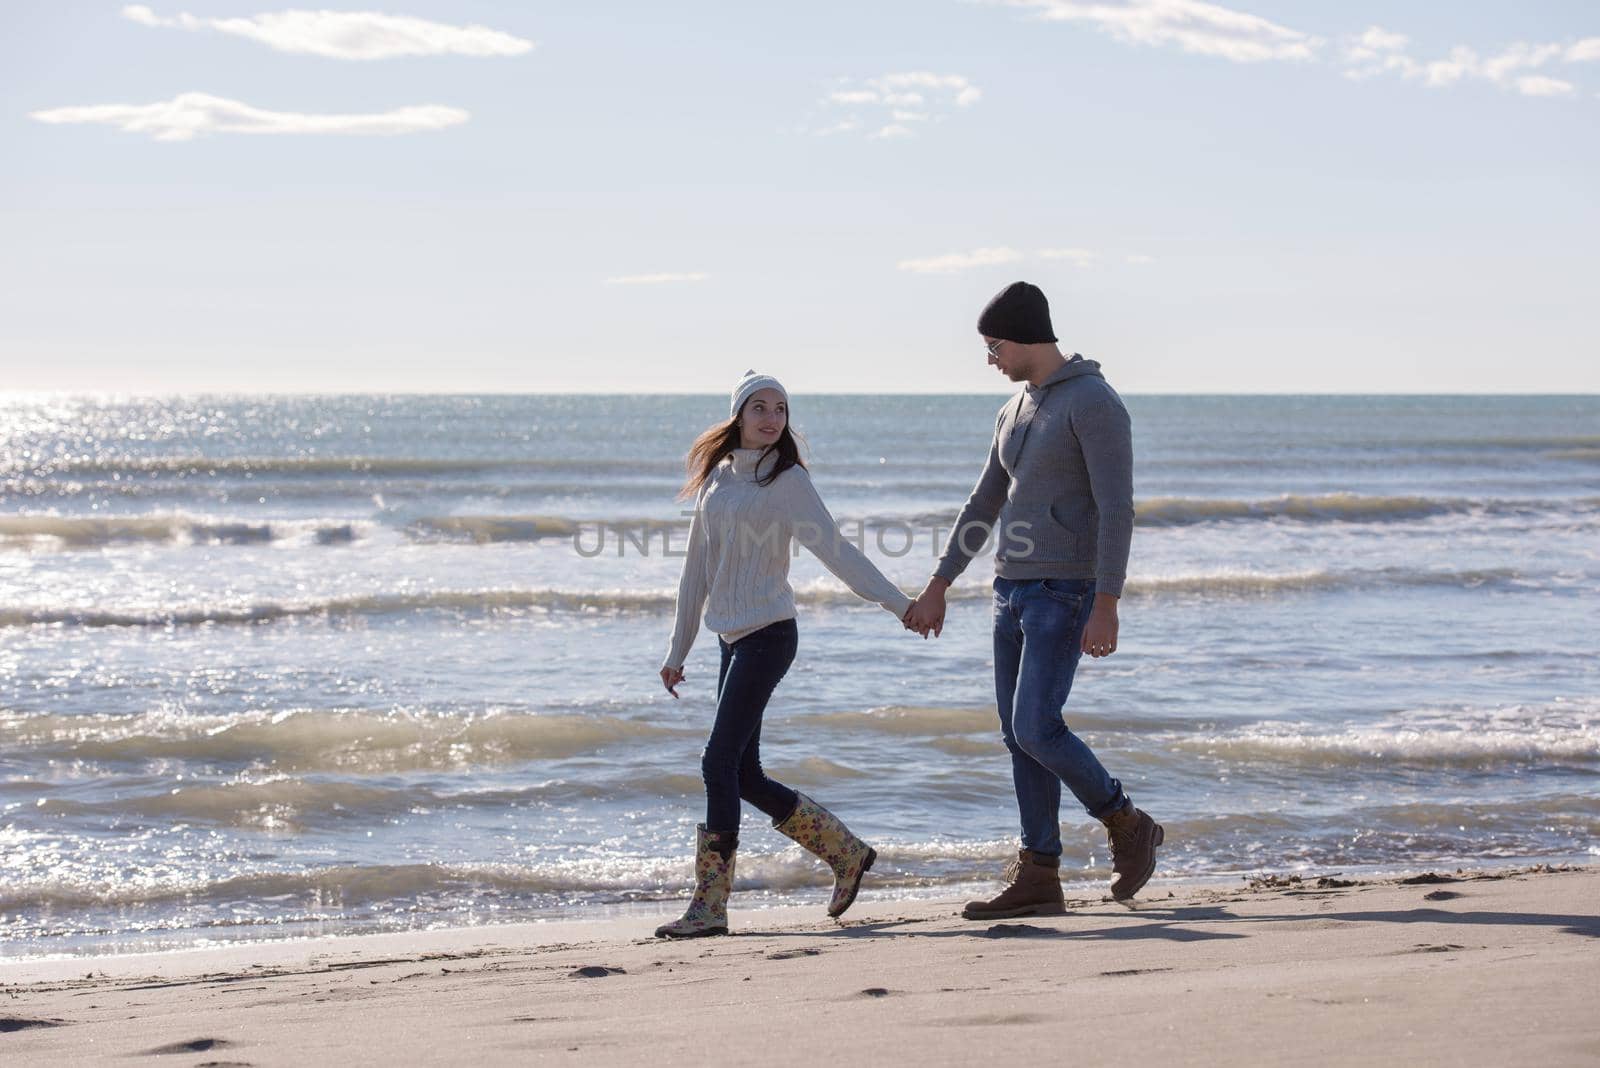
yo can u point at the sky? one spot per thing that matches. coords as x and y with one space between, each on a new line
477 196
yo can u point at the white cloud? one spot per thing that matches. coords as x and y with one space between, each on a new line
1540 85
1191 25
952 262
356 35
1375 47
1442 72
656 279
1381 40
1138 258
1211 29
1378 51
900 97
191 115
1499 69
1080 257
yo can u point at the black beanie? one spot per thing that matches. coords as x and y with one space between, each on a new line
1018 313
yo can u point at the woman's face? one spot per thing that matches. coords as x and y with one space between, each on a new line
762 419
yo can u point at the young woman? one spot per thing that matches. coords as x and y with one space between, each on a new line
755 498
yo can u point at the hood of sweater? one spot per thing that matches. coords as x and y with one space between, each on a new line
1076 367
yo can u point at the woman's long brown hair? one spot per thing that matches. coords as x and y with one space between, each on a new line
718 441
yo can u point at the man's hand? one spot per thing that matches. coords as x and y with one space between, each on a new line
670 677
1100 636
927 611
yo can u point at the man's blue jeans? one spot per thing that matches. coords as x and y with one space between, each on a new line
1038 637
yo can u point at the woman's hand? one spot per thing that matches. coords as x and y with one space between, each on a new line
670 677
927 611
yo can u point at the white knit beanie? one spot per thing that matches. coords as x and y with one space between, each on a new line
752 383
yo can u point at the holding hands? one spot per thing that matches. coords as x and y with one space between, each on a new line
927 611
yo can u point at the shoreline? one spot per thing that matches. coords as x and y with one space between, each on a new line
1433 968
646 913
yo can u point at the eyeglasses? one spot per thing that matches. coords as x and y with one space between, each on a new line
993 350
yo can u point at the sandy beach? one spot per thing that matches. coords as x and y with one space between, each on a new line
1440 968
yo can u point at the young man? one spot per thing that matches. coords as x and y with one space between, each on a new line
1059 480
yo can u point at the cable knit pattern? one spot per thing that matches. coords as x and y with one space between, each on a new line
736 568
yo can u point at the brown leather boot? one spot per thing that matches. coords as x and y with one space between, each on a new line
1034 890
1133 836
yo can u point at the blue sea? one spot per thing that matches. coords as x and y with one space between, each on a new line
279 666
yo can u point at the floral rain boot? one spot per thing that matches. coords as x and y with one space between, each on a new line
713 880
821 832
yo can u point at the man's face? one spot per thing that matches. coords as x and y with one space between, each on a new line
1003 356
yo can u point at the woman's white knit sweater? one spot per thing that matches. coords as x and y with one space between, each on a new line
740 540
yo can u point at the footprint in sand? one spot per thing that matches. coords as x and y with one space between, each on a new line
791 954
194 1045
18 1023
1015 930
1134 971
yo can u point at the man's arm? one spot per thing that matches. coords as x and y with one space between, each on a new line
1105 436
972 529
976 518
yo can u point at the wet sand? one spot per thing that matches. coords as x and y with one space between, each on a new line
1449 968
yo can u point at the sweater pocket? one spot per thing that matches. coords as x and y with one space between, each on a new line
1035 536
1076 519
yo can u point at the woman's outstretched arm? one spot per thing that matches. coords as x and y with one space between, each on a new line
816 529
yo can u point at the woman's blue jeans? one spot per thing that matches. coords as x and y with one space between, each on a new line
731 764
1038 637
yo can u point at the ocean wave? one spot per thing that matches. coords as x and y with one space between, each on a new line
1326 508
491 529
379 604
941 725
286 804
309 740
88 532
1303 508
821 593
1211 845
1535 441
600 532
1266 582
315 466
608 877
1518 736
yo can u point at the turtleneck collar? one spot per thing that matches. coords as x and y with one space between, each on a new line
744 461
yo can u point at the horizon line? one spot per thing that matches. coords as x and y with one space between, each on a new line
21 394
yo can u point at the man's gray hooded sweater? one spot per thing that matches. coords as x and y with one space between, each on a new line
1059 480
